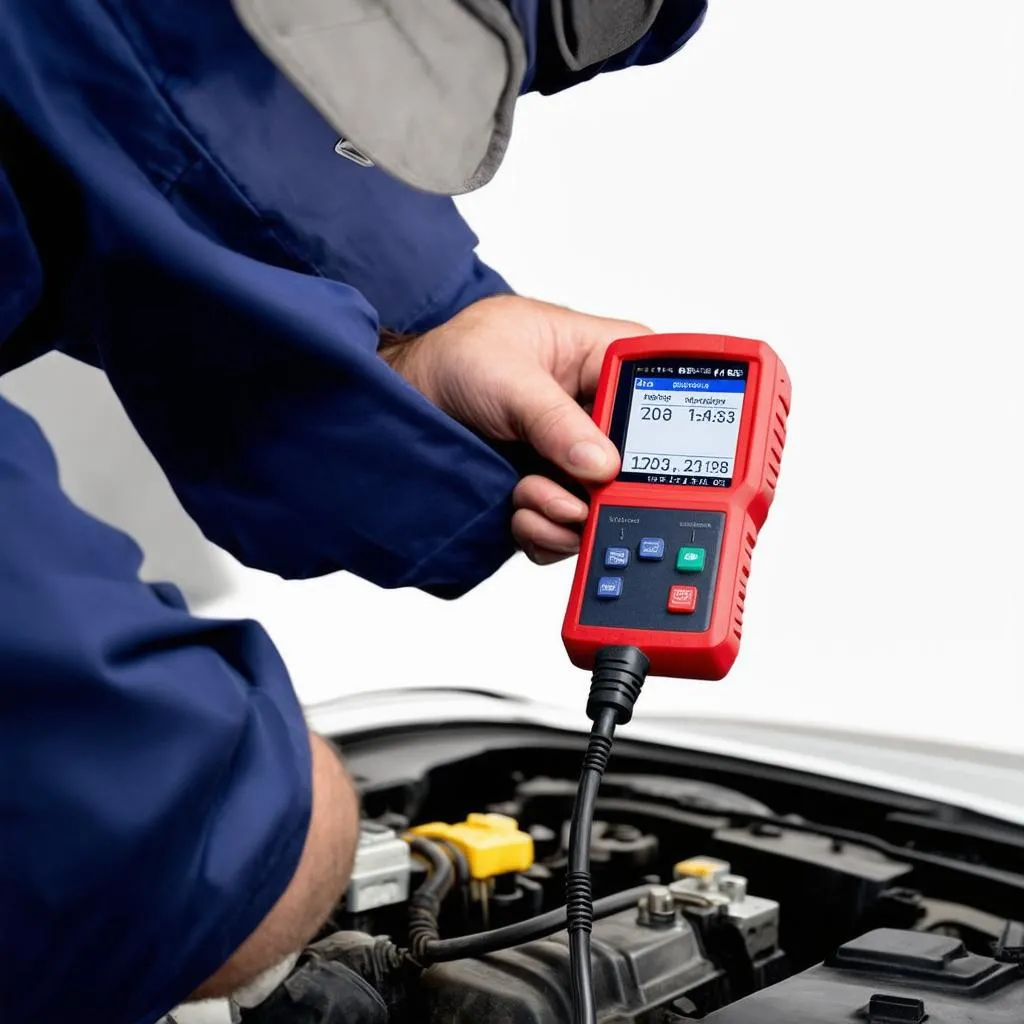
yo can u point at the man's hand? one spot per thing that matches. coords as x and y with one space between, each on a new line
518 369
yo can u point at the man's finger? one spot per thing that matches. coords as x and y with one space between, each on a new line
549 499
540 556
555 425
535 535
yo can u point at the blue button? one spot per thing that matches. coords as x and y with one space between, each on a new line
652 549
616 558
609 587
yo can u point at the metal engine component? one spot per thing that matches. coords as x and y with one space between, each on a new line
380 874
704 882
658 908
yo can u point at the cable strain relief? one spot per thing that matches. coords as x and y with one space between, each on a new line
599 750
618 676
579 902
385 959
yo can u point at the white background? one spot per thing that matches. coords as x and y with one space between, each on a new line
842 180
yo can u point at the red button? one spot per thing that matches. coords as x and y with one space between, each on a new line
682 600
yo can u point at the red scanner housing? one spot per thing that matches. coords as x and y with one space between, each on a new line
684 610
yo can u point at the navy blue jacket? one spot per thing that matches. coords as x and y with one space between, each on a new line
172 211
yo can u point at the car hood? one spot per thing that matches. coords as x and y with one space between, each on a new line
979 780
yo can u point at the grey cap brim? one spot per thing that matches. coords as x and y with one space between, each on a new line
426 89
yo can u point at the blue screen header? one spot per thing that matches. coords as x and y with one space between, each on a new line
688 384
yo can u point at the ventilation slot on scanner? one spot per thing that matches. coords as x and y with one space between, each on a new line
774 461
741 590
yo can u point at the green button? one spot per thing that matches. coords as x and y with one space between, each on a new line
690 560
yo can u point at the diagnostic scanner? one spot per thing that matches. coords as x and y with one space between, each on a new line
700 424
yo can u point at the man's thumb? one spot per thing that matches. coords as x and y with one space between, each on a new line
554 424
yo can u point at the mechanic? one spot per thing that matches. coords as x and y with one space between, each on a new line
299 328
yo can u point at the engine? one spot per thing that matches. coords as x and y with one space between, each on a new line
711 903
699 947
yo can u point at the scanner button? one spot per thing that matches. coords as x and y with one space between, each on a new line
682 600
609 587
690 560
652 549
616 558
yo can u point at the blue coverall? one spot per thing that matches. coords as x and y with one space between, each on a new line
172 211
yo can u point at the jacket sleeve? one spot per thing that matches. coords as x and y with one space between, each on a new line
232 276
289 440
154 768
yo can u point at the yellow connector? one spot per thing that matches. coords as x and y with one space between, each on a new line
707 869
492 843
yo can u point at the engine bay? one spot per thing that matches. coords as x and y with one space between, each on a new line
725 891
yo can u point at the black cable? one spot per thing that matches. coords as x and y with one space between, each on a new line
462 877
466 947
615 684
425 902
578 893
439 880
458 859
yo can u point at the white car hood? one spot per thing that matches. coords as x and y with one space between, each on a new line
978 780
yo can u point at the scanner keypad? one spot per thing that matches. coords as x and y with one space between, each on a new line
653 569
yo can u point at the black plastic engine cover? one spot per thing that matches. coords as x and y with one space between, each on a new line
636 968
891 977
